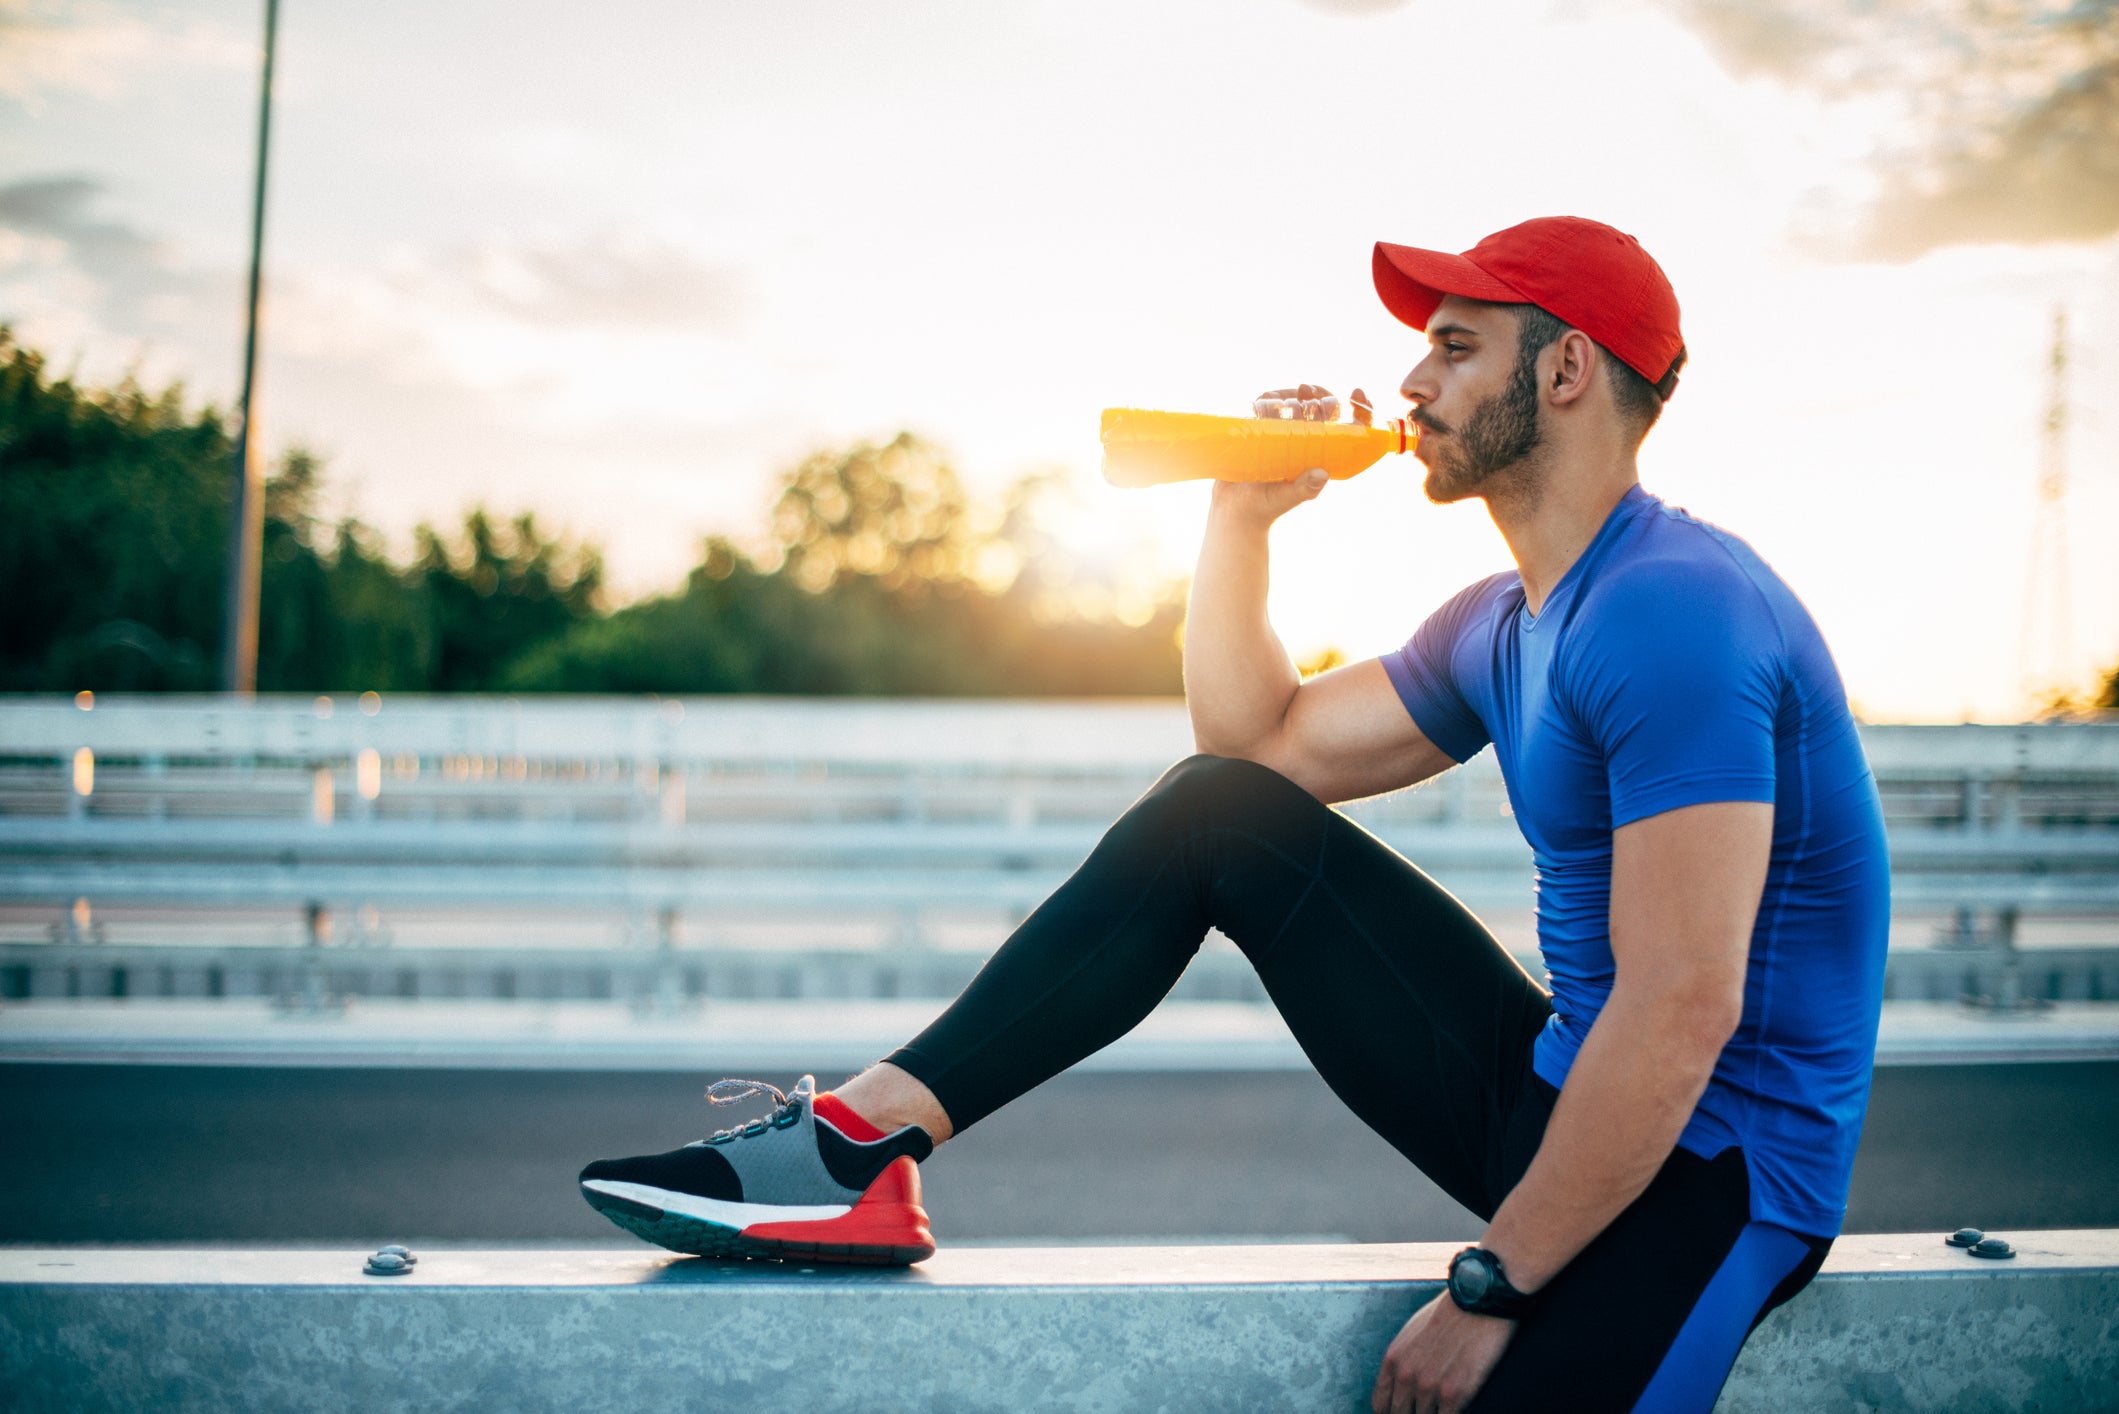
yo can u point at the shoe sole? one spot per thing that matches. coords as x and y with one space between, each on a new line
886 1228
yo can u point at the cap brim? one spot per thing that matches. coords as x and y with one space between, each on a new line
1413 282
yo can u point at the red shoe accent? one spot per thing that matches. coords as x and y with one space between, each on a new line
841 1116
887 1225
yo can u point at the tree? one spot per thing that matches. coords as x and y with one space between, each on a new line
113 535
112 507
495 592
335 613
879 575
878 578
894 513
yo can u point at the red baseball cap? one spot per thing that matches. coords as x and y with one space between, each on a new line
1585 273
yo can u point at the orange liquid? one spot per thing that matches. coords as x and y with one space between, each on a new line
1143 448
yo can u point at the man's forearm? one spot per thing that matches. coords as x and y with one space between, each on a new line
1238 678
1629 1095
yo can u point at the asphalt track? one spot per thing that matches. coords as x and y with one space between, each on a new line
185 1154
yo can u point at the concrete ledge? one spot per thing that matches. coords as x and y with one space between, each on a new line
1893 1324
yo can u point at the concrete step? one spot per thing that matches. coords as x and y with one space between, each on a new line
1894 1325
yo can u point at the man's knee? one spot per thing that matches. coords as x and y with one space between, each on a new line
1225 788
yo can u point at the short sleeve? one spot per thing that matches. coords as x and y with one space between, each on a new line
1679 687
1425 673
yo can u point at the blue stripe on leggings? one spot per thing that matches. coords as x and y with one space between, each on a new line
1690 1378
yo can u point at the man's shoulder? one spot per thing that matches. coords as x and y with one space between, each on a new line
1678 595
1475 603
1677 565
1488 592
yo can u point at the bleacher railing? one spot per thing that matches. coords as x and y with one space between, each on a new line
786 846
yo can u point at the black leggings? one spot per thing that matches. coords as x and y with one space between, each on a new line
1408 1007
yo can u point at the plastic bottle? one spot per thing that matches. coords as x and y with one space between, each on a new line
1143 448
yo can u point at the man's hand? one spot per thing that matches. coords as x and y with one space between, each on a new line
1268 501
1305 402
1265 501
1439 1360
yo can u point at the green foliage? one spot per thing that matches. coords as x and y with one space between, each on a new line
496 593
867 586
334 612
879 576
113 546
895 514
109 504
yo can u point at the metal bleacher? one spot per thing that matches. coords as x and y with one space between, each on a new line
600 848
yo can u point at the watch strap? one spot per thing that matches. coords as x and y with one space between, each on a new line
1490 1294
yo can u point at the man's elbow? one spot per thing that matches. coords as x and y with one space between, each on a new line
1709 1012
1695 1016
1211 744
1212 737
1259 747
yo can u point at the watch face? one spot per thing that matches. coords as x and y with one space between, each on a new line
1472 1279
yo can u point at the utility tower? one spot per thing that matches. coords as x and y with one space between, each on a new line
2046 647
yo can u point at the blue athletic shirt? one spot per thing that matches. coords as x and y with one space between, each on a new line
1671 667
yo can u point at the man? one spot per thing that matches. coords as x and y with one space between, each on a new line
1662 1144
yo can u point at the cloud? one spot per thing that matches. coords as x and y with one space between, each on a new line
62 260
1806 46
2048 172
621 281
2008 109
556 332
622 284
53 47
563 332
1356 7
57 207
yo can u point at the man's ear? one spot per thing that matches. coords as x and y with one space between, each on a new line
1572 363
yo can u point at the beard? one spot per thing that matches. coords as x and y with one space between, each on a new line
1500 435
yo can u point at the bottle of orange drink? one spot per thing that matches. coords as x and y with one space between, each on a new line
1143 448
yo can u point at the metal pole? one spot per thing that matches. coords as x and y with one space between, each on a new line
239 644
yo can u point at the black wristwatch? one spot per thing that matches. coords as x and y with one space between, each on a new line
1478 1285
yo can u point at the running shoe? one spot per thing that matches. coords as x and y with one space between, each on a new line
791 1185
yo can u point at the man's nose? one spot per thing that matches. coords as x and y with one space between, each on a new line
1422 385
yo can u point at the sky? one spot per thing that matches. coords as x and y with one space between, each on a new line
623 264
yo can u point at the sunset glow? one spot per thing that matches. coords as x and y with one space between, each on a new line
623 265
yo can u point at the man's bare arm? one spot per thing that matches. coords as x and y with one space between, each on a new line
1685 888
1342 735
